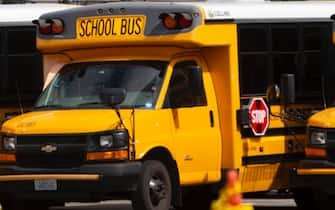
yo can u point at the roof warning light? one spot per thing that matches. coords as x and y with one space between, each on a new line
176 20
50 26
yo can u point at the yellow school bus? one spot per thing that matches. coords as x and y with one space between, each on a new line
21 72
313 179
154 101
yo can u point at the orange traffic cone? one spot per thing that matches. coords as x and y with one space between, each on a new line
230 196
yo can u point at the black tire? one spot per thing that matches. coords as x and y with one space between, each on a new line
154 190
324 200
304 198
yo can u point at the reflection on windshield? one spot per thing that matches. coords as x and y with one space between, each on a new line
79 85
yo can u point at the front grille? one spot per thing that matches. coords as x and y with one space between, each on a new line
51 151
330 145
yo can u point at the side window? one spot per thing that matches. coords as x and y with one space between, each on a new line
268 50
253 59
20 65
186 86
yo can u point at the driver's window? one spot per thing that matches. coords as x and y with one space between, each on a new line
181 91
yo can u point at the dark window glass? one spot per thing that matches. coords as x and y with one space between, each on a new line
3 76
254 73
1 42
312 38
20 66
21 41
21 78
285 38
186 86
312 76
302 49
284 64
2 70
253 39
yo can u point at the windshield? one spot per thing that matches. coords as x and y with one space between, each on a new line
79 85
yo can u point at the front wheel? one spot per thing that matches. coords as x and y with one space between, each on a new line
154 191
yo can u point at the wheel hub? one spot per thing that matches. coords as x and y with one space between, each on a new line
157 189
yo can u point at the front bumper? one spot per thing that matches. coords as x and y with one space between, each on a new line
90 182
314 174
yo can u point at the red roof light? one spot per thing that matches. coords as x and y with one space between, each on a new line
50 26
176 20
57 26
184 20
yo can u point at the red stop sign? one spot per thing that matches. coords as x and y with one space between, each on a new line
258 116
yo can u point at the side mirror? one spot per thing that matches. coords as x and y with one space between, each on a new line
272 94
112 96
287 87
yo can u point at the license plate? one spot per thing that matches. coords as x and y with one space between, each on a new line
45 185
118 27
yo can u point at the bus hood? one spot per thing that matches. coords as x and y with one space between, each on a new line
324 119
63 121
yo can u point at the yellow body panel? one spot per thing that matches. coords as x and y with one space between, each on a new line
323 119
259 177
274 145
222 63
195 164
63 121
74 177
316 171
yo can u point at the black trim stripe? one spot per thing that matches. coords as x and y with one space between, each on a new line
93 133
247 132
272 158
213 21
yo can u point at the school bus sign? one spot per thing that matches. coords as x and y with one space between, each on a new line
110 27
258 116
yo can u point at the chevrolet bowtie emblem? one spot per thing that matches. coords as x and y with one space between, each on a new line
49 148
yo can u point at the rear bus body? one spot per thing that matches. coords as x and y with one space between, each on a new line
20 62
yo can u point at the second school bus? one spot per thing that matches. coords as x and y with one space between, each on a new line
314 177
153 102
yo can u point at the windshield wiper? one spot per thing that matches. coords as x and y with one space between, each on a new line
50 106
91 103
133 106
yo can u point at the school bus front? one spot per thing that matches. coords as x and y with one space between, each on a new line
118 112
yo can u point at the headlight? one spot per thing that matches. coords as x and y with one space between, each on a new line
9 143
121 138
318 137
106 141
113 140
